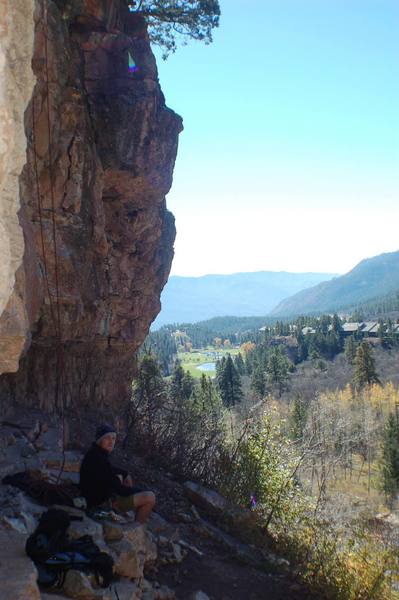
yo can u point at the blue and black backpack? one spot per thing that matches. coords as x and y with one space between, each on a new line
54 553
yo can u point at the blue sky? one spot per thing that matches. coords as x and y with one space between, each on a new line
290 155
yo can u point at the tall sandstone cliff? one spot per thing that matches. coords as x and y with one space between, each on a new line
87 238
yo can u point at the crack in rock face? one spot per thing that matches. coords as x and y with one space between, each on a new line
98 239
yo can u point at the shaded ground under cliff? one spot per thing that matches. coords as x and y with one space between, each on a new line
214 564
219 572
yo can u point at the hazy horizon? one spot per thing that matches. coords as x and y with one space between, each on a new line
332 273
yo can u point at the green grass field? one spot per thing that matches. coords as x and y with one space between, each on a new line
190 361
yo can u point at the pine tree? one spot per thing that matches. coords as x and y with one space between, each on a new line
277 370
350 349
239 364
302 351
390 457
365 372
258 380
147 403
178 413
298 418
228 381
336 326
206 398
171 20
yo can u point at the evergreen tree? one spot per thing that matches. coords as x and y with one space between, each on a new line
336 326
206 398
350 349
162 345
277 368
228 381
333 345
302 350
171 20
390 457
298 418
381 329
365 372
187 385
178 413
258 380
239 364
176 380
147 403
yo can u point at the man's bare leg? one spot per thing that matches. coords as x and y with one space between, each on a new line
143 503
128 481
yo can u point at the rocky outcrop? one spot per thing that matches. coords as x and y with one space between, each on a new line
101 146
16 83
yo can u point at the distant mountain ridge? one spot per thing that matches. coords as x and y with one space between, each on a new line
371 278
193 299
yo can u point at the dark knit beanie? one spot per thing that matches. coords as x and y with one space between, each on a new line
103 430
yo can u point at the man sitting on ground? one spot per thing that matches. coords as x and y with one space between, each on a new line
104 485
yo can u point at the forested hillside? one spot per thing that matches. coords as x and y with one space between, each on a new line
371 278
381 306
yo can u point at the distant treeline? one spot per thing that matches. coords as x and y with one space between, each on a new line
324 342
236 329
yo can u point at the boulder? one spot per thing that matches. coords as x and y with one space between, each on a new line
160 527
164 593
18 457
18 574
128 562
158 593
113 532
157 524
207 499
14 524
84 526
77 585
143 541
126 590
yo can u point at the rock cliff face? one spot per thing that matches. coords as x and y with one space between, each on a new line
16 84
101 146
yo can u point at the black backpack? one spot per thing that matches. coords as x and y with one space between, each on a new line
54 554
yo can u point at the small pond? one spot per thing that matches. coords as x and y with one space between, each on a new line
207 366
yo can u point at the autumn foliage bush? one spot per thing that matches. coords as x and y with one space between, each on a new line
337 561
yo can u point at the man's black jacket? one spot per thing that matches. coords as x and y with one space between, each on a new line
98 478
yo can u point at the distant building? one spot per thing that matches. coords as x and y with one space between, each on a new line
370 328
306 330
352 328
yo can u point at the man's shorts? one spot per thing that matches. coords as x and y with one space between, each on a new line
125 503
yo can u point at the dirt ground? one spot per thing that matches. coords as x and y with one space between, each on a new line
222 577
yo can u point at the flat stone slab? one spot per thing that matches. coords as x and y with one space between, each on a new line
18 574
207 499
